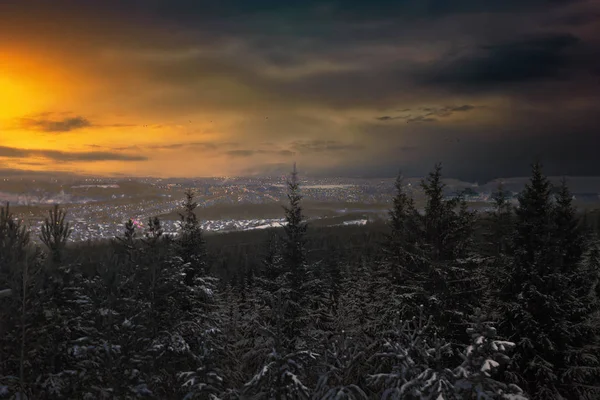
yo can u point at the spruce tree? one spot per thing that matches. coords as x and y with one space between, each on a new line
569 240
591 264
439 274
282 375
190 245
498 239
294 254
399 248
501 222
547 305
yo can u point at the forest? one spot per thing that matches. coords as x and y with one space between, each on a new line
442 304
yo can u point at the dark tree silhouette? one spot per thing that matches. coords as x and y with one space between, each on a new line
55 232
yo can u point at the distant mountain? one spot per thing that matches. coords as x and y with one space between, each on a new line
577 184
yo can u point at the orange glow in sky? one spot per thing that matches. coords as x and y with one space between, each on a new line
91 88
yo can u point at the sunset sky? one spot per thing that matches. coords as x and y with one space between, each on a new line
345 88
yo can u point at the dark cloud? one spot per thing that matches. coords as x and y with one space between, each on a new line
59 122
525 60
565 146
55 155
427 114
55 126
195 11
420 118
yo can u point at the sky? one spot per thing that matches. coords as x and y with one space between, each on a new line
184 88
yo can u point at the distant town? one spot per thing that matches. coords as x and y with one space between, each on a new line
98 207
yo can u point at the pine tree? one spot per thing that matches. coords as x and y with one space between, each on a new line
548 309
498 237
55 232
154 231
18 285
14 239
190 246
127 241
501 222
281 377
400 242
591 265
272 263
294 255
341 379
294 252
476 376
440 274
569 239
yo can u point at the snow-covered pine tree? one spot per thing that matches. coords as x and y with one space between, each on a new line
405 366
190 245
591 264
294 257
126 292
272 265
476 376
547 305
400 248
412 365
294 252
343 358
282 375
271 279
189 341
569 241
502 223
369 301
334 280
82 349
498 239
242 352
441 274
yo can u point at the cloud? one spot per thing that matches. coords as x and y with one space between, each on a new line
199 146
59 122
249 153
241 153
523 60
321 146
18 172
321 71
55 126
55 155
268 169
428 114
420 118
